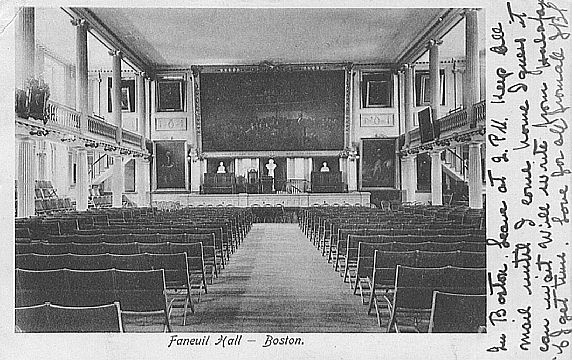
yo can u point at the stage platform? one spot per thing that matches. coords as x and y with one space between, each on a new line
248 200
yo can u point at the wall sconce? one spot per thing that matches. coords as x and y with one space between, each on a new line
91 145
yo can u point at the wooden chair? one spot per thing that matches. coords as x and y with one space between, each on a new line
457 313
48 318
413 295
143 293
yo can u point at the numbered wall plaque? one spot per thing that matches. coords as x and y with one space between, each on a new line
170 124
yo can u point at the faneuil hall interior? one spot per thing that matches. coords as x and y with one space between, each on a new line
231 169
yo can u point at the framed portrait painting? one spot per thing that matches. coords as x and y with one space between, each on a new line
170 160
378 160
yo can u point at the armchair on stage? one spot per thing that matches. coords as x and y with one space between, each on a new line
327 182
219 183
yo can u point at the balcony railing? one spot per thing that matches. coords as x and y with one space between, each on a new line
62 115
457 120
453 120
480 111
131 138
100 127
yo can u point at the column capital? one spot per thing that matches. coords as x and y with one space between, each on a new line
115 53
79 22
25 138
433 42
435 152
465 11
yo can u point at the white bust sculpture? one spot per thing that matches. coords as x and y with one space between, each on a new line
270 167
325 167
221 169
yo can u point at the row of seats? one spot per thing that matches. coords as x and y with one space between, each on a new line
187 245
412 260
137 292
51 318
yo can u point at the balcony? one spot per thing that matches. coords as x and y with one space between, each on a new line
65 119
455 122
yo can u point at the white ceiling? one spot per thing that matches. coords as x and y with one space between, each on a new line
183 37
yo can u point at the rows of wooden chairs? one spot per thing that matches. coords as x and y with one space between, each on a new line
102 256
189 246
137 292
378 250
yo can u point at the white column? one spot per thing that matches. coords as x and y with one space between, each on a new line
117 181
352 174
409 102
434 78
436 178
195 168
82 183
26 177
142 178
299 168
475 176
116 94
472 83
344 169
81 72
25 45
290 168
42 161
141 107
409 177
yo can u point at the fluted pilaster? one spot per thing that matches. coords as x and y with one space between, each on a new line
475 177
26 177
82 183
436 179
409 102
141 106
409 177
117 181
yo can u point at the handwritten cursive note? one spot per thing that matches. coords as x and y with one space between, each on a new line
528 180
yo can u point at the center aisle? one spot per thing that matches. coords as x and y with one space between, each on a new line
278 282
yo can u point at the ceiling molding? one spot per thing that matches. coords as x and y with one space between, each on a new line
104 34
443 24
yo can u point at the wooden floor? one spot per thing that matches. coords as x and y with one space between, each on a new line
277 282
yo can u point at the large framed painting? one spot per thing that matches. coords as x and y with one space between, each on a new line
170 164
170 95
378 160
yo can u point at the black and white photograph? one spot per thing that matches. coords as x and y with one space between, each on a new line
263 180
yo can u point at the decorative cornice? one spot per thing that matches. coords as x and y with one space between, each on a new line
445 22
